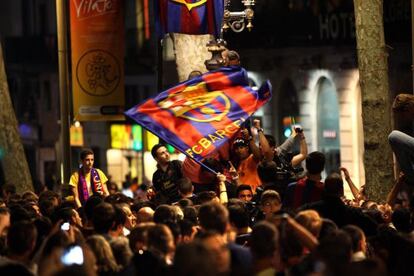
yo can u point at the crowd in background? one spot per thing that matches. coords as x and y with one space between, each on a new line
248 210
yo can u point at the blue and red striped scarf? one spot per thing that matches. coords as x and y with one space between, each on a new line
96 185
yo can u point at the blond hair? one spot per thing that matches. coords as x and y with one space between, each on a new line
311 220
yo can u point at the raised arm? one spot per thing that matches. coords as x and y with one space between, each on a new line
286 146
354 190
298 158
306 238
252 145
222 188
234 175
266 152
392 196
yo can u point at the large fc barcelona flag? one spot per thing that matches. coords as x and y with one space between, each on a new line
199 115
189 16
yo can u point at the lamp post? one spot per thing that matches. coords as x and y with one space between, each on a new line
61 14
234 20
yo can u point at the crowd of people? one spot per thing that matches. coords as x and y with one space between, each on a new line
248 209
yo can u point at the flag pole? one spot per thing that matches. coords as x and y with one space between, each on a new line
160 64
64 139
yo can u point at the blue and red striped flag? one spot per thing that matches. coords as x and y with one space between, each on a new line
199 115
189 16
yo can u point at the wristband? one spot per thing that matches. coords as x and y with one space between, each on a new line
259 130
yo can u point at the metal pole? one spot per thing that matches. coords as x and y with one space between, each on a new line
143 132
412 39
160 66
62 31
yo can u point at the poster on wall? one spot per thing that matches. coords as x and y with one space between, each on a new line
97 42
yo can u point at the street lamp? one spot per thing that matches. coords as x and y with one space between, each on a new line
236 20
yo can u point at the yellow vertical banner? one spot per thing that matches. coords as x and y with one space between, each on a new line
97 49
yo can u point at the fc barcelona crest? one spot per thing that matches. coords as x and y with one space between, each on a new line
197 104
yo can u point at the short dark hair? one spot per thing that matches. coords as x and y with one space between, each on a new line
315 162
21 237
85 152
190 214
194 259
90 205
356 234
401 220
158 237
205 197
267 171
243 187
213 216
139 235
64 214
46 208
48 195
155 148
103 217
120 217
334 186
239 216
164 213
184 185
328 226
335 249
264 240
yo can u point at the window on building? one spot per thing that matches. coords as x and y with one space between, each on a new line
328 124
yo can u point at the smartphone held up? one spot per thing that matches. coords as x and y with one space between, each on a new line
298 128
65 226
72 255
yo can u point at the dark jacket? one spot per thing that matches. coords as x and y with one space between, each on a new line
335 209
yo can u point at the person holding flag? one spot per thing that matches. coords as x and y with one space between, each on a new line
165 178
202 114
